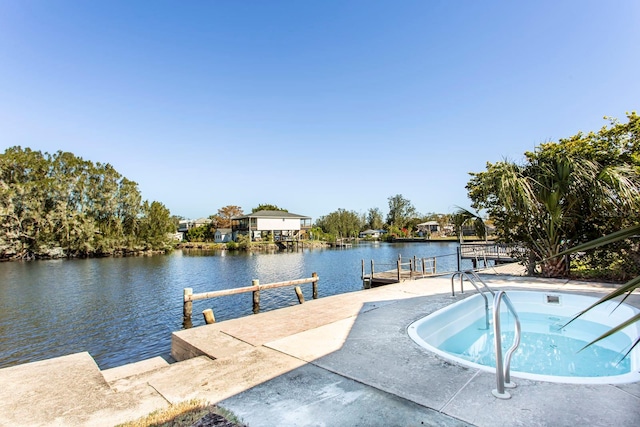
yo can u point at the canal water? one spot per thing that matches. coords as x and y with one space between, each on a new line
123 310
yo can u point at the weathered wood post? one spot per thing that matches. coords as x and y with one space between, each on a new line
256 296
362 276
459 256
299 294
371 269
435 259
424 267
410 269
314 285
399 271
187 308
209 318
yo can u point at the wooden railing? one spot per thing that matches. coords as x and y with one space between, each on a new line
417 267
255 287
491 251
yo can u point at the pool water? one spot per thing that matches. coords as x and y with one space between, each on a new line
550 349
546 347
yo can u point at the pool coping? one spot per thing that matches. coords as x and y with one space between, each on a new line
621 378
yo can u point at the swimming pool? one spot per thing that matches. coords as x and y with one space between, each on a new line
548 351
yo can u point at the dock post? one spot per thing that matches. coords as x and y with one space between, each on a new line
410 269
209 318
435 259
424 269
187 308
256 296
315 285
459 255
299 294
371 270
399 270
362 276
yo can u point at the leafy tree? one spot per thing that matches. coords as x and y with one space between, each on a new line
374 219
317 233
50 203
156 224
341 223
223 218
197 234
565 193
400 211
267 207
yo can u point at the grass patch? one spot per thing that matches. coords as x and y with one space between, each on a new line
186 414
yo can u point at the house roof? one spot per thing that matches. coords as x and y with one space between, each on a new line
429 223
224 230
272 214
370 231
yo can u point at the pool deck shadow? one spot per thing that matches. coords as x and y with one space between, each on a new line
336 361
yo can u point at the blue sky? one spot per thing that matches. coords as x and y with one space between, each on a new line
310 105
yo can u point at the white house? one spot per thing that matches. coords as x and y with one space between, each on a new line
372 234
429 227
283 225
222 235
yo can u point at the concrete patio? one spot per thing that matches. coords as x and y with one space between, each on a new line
336 361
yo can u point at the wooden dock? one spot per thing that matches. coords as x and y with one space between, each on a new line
415 268
484 252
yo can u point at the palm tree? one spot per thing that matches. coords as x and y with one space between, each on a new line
545 203
463 217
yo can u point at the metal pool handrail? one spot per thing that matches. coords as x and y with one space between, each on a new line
472 279
471 276
503 375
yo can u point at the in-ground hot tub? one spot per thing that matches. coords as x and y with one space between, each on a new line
549 351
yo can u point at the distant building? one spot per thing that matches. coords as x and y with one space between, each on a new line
283 225
371 234
177 236
222 235
429 227
186 224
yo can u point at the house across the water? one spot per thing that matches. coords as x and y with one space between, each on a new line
222 235
371 234
259 225
428 228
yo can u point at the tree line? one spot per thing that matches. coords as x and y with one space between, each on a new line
54 205
401 221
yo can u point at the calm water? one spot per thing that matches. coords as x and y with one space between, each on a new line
123 310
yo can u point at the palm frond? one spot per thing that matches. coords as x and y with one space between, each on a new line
624 289
604 240
615 329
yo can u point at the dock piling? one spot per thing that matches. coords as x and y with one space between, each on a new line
256 296
209 318
187 307
314 285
